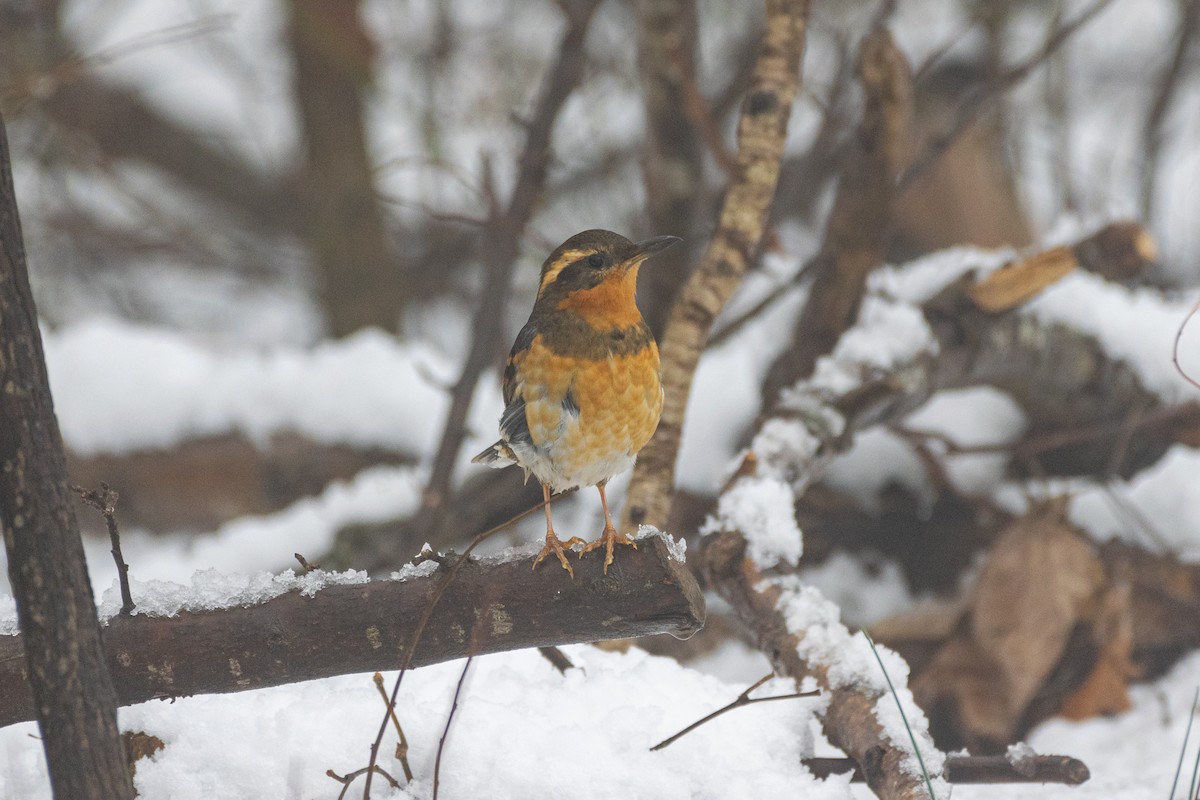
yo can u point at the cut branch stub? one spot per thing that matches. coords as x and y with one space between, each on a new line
487 608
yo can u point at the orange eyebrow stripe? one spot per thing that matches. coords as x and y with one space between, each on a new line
567 257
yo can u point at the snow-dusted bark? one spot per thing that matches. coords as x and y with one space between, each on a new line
230 633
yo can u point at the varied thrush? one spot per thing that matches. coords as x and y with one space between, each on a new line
582 385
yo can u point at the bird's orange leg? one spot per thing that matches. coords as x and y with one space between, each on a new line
553 544
609 537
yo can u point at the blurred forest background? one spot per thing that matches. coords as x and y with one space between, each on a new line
279 184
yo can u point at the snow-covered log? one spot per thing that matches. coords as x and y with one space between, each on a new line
230 638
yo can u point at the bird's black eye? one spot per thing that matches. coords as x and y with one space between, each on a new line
596 260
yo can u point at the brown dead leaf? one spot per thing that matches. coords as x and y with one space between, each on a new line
1036 584
1041 580
1105 690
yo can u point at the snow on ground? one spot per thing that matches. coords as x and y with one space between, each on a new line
1158 509
250 544
1131 755
522 731
120 387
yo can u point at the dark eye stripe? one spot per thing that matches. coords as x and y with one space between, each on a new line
596 260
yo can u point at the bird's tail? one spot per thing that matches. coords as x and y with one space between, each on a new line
497 456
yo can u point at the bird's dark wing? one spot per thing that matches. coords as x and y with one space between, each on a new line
519 350
514 426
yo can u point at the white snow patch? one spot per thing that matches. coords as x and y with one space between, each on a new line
9 625
422 569
250 544
970 418
120 387
1132 755
762 510
878 459
726 388
514 709
783 447
1163 496
888 334
676 548
918 281
211 589
1021 756
1136 325
865 589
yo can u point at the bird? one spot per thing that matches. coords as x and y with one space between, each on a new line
582 384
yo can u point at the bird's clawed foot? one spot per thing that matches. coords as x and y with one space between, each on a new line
607 539
556 546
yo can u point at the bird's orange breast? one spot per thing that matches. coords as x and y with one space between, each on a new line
590 406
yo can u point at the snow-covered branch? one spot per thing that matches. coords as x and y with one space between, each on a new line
230 635
799 631
919 330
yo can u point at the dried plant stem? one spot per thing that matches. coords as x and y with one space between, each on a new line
976 103
105 500
1175 347
557 658
437 763
742 699
349 778
402 745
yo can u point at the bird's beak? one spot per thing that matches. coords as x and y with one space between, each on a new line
644 250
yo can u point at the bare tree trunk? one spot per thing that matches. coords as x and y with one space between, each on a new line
332 56
73 693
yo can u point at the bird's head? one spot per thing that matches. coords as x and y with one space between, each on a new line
594 273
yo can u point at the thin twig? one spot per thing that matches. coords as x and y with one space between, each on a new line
502 235
557 658
105 500
729 329
402 744
1186 734
976 769
48 79
1175 347
742 699
440 590
305 564
350 777
437 762
976 102
1168 89
1134 518
1053 440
